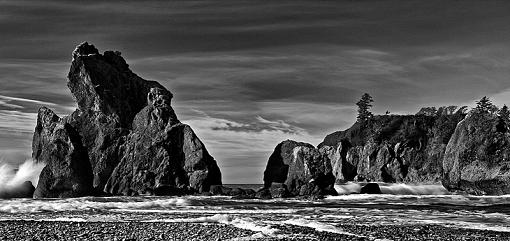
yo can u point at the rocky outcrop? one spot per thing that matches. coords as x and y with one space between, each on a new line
68 172
477 159
407 149
235 192
303 169
124 138
371 188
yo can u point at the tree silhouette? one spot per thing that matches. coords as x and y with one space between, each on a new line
364 105
504 115
485 105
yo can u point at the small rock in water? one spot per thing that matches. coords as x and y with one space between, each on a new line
371 188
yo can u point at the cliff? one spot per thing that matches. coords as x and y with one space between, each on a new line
123 139
392 148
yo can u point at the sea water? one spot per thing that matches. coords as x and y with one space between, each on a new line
401 205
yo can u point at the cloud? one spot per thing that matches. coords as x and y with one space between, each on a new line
247 75
17 121
241 155
4 100
259 125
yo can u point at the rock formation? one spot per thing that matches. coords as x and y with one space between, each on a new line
370 188
407 149
124 138
477 159
303 169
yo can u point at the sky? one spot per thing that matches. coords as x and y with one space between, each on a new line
247 75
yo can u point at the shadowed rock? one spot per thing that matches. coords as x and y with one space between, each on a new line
123 138
303 169
371 188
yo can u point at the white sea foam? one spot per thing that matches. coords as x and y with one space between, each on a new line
348 188
87 204
321 227
242 223
407 189
395 189
12 178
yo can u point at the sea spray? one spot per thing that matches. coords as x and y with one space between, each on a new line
12 180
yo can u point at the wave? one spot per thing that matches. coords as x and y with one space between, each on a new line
319 226
394 189
89 204
242 223
407 189
12 179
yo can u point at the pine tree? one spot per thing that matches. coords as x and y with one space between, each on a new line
485 105
364 105
504 115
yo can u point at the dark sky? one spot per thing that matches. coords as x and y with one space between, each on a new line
249 74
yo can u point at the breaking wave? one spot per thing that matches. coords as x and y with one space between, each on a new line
91 204
395 189
12 178
319 226
242 223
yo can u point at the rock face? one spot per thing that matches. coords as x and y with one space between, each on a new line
406 149
124 138
477 159
303 169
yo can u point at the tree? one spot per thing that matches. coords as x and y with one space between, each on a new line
485 105
427 111
504 115
462 110
364 105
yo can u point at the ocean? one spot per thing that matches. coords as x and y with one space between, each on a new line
402 205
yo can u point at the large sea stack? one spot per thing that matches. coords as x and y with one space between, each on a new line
123 139
477 159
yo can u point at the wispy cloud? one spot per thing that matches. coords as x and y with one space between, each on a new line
6 99
17 121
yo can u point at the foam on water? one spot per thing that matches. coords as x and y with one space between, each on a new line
348 188
211 210
12 178
406 189
394 188
319 226
242 223
87 204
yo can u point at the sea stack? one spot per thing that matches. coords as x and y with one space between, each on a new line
477 159
124 138
301 168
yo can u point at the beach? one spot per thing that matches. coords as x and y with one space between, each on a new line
344 217
58 230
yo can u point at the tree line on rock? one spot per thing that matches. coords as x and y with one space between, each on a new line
416 148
